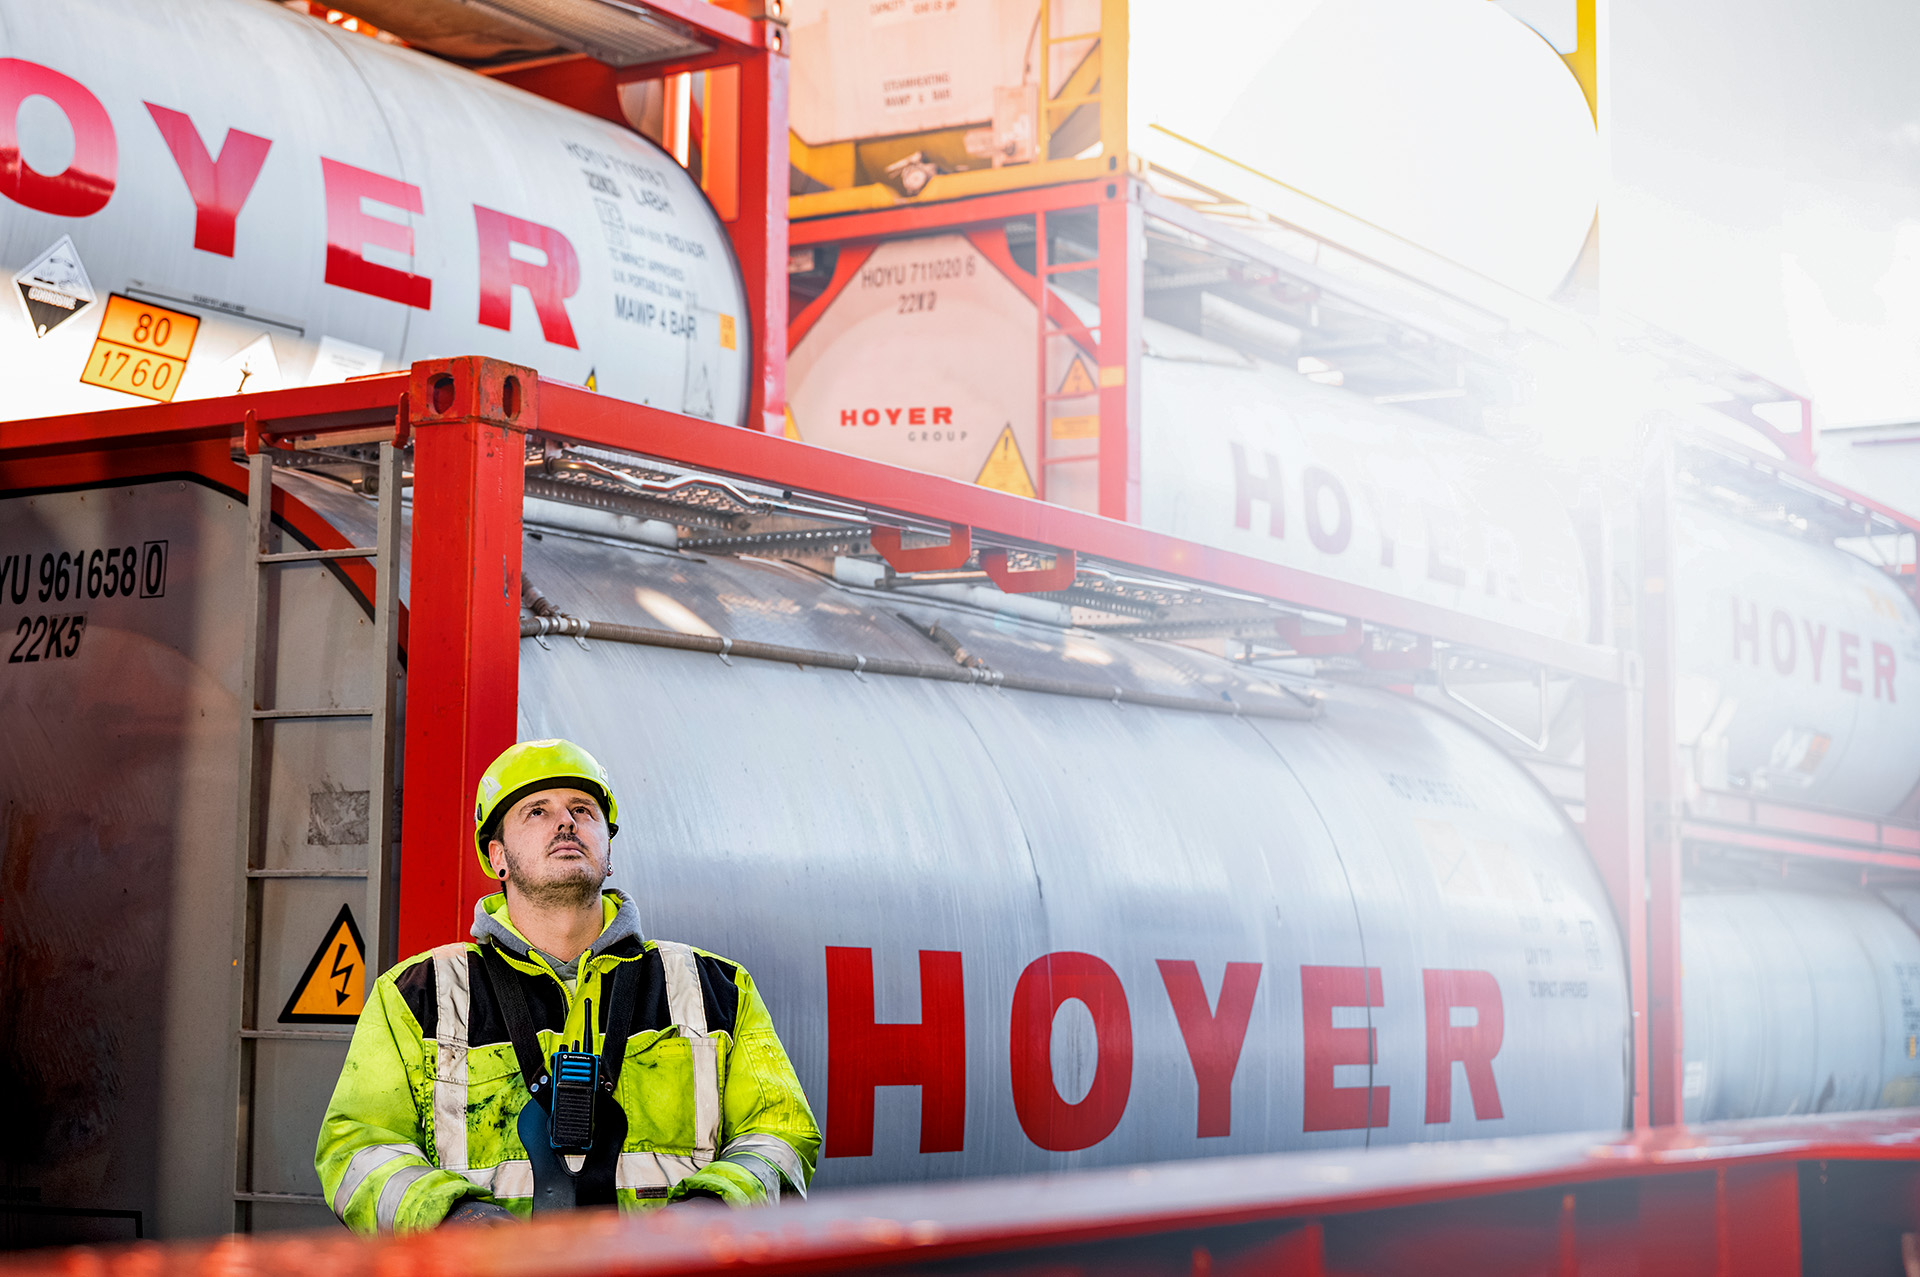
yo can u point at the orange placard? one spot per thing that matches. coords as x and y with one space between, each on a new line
141 350
333 988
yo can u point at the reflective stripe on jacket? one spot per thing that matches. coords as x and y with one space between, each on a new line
426 1109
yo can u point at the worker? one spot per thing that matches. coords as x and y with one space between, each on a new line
559 1058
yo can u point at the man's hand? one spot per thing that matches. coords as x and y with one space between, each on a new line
473 1210
732 1184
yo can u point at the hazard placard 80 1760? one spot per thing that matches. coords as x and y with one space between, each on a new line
142 349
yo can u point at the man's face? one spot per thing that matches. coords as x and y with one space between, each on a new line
552 847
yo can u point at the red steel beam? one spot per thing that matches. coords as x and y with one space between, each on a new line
580 82
1122 312
1819 832
1715 1199
576 413
370 401
1665 790
1788 844
759 233
1615 829
470 418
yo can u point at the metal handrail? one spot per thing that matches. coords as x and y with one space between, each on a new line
1538 744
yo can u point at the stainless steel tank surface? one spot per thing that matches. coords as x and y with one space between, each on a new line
361 207
1793 661
1797 1002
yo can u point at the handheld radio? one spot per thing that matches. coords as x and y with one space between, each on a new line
576 1084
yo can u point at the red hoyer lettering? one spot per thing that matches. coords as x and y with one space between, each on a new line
219 186
896 416
1792 645
864 1053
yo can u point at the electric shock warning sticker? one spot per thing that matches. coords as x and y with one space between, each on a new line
141 350
334 986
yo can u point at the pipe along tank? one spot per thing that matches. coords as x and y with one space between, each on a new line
999 929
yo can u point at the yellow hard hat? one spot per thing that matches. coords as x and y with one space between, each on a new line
529 767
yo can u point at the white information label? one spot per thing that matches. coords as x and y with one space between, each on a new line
338 360
1693 1081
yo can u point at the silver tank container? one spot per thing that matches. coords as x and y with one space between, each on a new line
1801 1001
1799 667
353 207
776 814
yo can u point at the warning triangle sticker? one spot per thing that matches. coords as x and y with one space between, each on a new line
55 287
334 986
251 368
1078 380
1005 469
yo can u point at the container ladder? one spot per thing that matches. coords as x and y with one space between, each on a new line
1080 343
250 1033
1050 106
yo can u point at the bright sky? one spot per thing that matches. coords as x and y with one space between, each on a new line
1767 189
1765 157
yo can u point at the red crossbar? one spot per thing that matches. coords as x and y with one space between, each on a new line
1743 1198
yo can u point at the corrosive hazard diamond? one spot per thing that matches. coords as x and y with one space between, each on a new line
55 287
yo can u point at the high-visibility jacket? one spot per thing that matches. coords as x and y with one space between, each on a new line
425 1112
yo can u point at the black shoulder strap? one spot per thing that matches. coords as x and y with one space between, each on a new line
620 1003
504 983
555 1186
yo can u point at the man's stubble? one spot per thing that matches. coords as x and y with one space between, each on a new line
570 890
